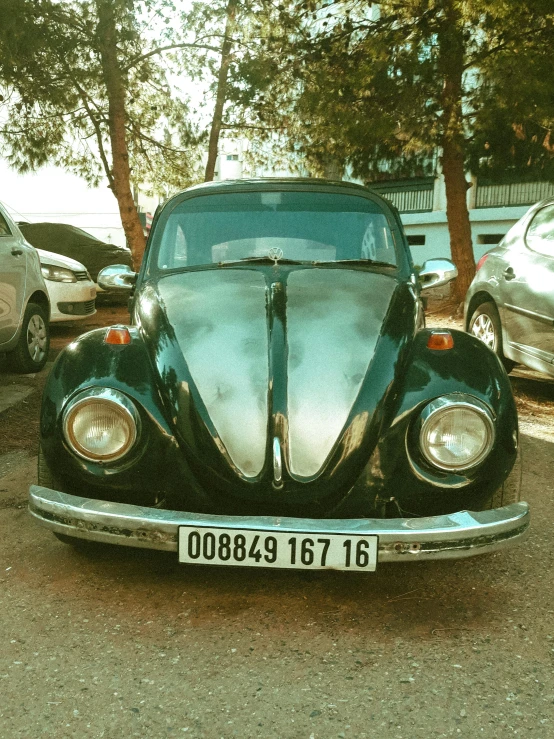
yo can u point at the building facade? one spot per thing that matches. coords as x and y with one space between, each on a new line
493 210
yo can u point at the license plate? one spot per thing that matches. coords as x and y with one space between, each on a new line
280 549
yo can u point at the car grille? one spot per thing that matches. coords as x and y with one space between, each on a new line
82 275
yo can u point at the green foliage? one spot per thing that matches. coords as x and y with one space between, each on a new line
377 92
55 106
317 86
513 135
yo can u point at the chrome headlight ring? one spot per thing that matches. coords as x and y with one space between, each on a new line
101 425
457 432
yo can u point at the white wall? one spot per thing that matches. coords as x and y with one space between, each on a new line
434 227
228 168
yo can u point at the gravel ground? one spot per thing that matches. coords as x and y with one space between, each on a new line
121 643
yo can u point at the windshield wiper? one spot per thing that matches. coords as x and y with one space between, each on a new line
371 262
264 259
314 262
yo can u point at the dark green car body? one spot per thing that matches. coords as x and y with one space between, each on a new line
271 388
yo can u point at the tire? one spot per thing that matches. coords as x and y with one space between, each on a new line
486 326
44 475
510 491
31 351
48 480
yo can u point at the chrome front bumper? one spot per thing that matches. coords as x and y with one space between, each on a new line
462 534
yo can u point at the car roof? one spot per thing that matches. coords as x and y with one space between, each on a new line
276 183
291 184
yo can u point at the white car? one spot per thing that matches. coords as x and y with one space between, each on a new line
24 303
70 287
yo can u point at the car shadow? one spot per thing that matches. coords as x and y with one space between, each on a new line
431 599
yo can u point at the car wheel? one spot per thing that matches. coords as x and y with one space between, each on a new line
510 491
44 475
47 480
485 325
31 352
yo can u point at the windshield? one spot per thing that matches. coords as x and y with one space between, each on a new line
299 226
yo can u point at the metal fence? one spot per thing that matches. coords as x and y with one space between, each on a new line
517 193
410 201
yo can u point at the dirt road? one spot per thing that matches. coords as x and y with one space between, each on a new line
125 643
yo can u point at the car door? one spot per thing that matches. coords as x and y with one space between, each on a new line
13 263
527 287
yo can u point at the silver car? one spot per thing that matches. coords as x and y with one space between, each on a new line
510 303
24 303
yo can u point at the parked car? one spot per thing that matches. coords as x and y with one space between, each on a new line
510 303
277 400
70 287
24 303
73 242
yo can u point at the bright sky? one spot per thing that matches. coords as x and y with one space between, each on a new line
54 195
51 194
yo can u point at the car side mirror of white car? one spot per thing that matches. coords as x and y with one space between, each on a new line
118 277
437 272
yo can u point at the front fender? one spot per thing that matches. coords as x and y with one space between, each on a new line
154 467
397 476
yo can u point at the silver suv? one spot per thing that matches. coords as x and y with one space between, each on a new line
24 304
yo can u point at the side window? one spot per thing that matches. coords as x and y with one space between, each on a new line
540 234
4 228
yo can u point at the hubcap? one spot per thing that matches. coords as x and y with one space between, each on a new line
483 329
36 338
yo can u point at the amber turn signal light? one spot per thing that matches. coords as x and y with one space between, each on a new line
117 335
440 341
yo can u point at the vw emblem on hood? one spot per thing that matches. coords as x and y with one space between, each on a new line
275 253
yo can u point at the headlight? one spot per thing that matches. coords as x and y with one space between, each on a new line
57 274
100 425
455 434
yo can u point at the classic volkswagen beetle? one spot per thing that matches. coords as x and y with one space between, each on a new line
276 400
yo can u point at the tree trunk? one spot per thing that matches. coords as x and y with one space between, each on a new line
457 215
453 148
221 95
117 118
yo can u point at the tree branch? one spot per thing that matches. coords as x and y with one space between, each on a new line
229 126
143 137
161 49
98 132
479 58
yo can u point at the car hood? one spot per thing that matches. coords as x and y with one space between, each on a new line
56 260
272 376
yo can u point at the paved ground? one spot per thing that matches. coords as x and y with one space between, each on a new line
120 644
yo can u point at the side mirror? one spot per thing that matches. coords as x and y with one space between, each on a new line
437 272
117 278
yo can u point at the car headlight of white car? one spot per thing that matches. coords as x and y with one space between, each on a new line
57 274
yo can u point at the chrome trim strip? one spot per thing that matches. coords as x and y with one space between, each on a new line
277 464
531 351
530 314
452 536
